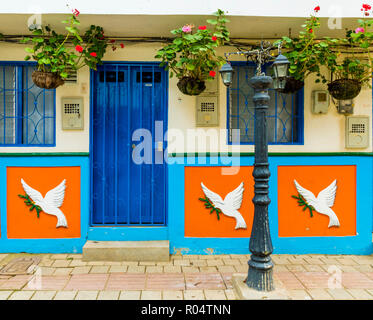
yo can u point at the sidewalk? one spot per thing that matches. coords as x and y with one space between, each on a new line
201 277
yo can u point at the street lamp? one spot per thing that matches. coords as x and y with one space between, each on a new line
260 274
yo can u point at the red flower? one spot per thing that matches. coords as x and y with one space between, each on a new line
316 9
213 38
310 31
212 73
366 7
93 54
122 45
202 27
112 41
79 48
76 12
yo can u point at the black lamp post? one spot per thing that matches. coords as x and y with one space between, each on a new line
260 274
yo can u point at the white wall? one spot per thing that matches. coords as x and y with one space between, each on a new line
269 8
322 133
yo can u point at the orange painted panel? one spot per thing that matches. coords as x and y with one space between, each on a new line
294 222
198 220
23 223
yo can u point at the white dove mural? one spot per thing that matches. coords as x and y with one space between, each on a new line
52 201
230 205
323 202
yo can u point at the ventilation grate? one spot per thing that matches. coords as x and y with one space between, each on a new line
207 106
73 75
357 128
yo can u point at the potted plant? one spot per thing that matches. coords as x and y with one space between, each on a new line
192 57
55 57
304 53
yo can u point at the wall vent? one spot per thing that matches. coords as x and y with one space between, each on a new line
73 76
357 128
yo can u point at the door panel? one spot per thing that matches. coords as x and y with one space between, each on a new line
127 97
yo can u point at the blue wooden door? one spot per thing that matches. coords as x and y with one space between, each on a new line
127 97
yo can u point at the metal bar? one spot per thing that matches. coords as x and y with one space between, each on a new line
129 143
116 96
292 114
26 89
4 100
153 151
43 116
141 125
103 151
276 94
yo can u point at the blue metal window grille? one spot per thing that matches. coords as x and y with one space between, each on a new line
285 113
27 112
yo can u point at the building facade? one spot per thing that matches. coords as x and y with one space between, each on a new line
133 152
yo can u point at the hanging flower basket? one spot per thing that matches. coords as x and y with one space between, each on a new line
191 86
46 80
292 85
344 89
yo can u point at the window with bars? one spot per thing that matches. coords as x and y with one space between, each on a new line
27 113
285 112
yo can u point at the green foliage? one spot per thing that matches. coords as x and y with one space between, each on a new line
193 53
30 203
52 53
209 205
303 203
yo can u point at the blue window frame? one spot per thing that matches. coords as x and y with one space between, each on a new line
285 113
27 112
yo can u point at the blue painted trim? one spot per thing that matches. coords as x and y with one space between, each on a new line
359 244
65 245
300 102
137 233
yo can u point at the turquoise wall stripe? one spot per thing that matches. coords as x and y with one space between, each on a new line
359 244
66 245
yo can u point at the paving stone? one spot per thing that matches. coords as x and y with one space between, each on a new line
289 280
46 263
47 283
136 269
86 295
81 270
208 269
46 271
151 295
190 269
360 294
313 260
63 271
4 295
147 263
226 269
230 294
215 263
15 283
356 280
347 261
119 281
21 295
312 280
75 256
182 262
340 294
194 295
61 256
153 269
313 267
100 269
77 263
173 295
115 269
204 281
95 263
112 263
165 281
65 295
299 295
171 269
108 295
61 263
130 295
215 295
130 263
295 267
319 294
198 263
231 262
87 282
43 295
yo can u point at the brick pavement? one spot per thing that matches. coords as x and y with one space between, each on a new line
198 277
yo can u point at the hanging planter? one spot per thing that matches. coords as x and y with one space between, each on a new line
292 85
344 89
191 86
47 80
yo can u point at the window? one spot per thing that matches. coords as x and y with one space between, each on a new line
285 112
27 113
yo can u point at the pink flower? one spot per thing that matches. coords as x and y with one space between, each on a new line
357 30
316 9
76 12
79 48
187 28
93 54
212 73
202 27
213 38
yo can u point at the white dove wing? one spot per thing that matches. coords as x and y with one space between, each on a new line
32 193
55 196
214 197
328 194
306 194
234 198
